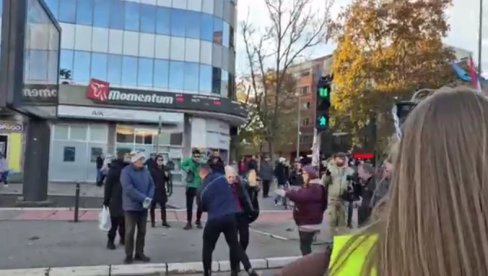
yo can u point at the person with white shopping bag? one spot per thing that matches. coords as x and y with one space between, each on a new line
137 195
113 199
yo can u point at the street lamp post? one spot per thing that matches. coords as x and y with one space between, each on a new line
298 125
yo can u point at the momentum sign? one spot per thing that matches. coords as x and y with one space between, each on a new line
40 93
101 92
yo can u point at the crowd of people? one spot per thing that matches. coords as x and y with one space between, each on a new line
426 217
432 218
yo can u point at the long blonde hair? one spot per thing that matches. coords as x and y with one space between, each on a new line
435 221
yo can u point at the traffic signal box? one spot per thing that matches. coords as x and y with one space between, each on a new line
323 103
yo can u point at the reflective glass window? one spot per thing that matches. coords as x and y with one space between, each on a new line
224 86
216 80
148 19
226 35
129 71
66 60
232 86
114 72
176 73
84 12
116 14
132 16
178 20
206 27
101 14
161 73
218 29
81 66
231 37
163 19
145 74
205 79
52 4
99 66
67 11
191 76
36 62
192 27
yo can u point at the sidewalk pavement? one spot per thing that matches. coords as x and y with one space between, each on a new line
93 195
38 244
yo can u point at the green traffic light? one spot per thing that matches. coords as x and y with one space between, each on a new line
322 121
324 92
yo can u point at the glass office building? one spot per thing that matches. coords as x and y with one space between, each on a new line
146 75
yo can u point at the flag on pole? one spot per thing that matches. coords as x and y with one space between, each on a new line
475 82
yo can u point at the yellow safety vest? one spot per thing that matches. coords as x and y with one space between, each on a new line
355 260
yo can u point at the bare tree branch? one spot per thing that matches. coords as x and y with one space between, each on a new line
294 26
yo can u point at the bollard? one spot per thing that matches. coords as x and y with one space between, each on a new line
77 201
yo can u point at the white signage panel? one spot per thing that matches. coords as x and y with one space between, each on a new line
112 114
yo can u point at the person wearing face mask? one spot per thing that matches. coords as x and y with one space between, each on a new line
160 178
310 204
336 181
191 167
113 199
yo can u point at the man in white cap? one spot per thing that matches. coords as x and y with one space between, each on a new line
137 194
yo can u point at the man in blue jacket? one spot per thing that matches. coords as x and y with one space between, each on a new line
219 203
137 194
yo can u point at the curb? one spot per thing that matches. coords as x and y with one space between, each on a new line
146 269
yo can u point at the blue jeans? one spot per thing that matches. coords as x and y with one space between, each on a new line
3 177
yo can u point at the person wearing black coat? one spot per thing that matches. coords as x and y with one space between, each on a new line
160 178
113 200
216 163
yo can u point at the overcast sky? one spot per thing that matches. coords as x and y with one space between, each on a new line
462 17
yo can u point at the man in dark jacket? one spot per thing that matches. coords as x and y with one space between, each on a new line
266 175
366 175
137 195
217 200
99 163
160 177
216 163
113 199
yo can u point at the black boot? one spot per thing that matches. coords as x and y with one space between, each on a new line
165 224
143 258
110 245
128 260
188 226
199 225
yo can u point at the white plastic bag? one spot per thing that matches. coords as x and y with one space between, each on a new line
104 222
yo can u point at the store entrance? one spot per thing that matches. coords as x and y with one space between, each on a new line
4 145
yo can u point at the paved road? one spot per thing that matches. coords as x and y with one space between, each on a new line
30 244
62 195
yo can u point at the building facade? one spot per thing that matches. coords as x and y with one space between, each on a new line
145 75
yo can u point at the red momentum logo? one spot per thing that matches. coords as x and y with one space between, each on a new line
98 90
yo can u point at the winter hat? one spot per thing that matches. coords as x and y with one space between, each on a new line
135 156
311 171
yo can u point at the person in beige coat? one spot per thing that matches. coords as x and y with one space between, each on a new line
336 182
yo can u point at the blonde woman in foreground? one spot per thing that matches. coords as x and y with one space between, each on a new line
435 222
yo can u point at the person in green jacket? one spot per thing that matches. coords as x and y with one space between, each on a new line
191 167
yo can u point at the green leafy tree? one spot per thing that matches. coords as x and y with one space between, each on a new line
386 51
